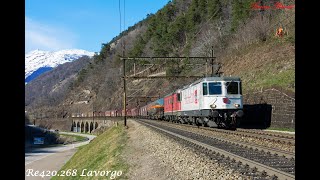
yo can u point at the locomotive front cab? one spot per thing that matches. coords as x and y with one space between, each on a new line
223 96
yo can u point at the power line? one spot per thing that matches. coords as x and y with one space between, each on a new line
124 67
120 14
124 24
124 14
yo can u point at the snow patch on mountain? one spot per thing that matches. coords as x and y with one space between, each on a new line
37 59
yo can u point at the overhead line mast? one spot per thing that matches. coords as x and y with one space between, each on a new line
124 59
123 54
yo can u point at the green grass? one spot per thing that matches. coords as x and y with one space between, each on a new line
268 78
76 137
275 71
284 79
281 129
101 154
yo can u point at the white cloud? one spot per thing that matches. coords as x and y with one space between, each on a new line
46 37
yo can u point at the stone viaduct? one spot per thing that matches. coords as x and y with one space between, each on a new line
88 124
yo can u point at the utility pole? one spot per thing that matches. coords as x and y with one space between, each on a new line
212 71
124 90
92 112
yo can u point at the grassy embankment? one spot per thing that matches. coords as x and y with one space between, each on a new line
72 138
101 155
264 65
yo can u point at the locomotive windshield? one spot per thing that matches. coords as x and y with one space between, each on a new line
232 87
215 88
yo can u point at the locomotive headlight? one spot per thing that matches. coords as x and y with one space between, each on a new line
236 105
213 106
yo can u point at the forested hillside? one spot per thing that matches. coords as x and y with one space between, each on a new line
243 40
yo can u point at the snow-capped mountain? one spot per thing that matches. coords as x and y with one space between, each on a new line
38 62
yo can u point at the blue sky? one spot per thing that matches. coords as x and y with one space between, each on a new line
53 25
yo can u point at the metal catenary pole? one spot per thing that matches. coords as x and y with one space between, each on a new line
124 93
155 77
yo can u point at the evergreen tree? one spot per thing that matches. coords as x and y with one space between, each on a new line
214 8
203 8
193 16
240 11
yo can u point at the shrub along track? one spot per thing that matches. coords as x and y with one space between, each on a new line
258 162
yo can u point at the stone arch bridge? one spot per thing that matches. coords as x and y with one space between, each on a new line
88 124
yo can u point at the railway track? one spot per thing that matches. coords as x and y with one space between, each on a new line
254 160
274 137
272 134
244 141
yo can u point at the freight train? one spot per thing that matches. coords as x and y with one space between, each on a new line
210 101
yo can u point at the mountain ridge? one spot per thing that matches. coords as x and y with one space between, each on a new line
38 61
243 42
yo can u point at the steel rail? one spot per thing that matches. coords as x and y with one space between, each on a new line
253 164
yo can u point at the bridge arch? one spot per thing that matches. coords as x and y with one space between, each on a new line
82 127
73 127
86 127
91 126
96 125
78 127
